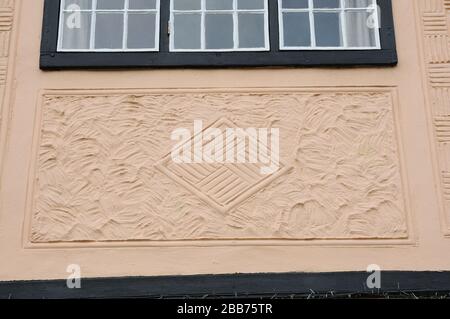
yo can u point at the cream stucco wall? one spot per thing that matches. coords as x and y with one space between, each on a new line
363 150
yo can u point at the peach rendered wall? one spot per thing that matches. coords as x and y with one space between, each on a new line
364 162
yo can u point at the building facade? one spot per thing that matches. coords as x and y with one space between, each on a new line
87 176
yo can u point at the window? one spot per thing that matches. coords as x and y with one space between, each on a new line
109 25
219 25
216 33
329 25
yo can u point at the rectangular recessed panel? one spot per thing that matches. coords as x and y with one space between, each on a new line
105 170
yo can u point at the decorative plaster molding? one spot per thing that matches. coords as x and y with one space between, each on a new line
6 24
435 25
223 185
96 176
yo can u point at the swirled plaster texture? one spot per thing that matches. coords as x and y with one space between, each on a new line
96 178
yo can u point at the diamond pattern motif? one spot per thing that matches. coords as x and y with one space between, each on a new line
223 185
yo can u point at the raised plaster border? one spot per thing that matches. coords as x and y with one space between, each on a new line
410 239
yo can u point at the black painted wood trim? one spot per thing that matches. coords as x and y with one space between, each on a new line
237 285
50 59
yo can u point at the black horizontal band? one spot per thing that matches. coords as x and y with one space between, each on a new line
237 285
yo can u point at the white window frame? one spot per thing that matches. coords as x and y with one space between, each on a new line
93 11
235 11
311 10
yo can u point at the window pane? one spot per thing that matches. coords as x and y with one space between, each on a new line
328 32
359 31
250 4
295 4
76 36
142 4
327 4
187 31
251 30
78 4
219 31
109 31
137 22
222 25
219 4
186 4
296 29
358 3
110 4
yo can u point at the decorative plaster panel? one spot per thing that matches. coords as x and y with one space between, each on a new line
6 23
435 17
103 173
